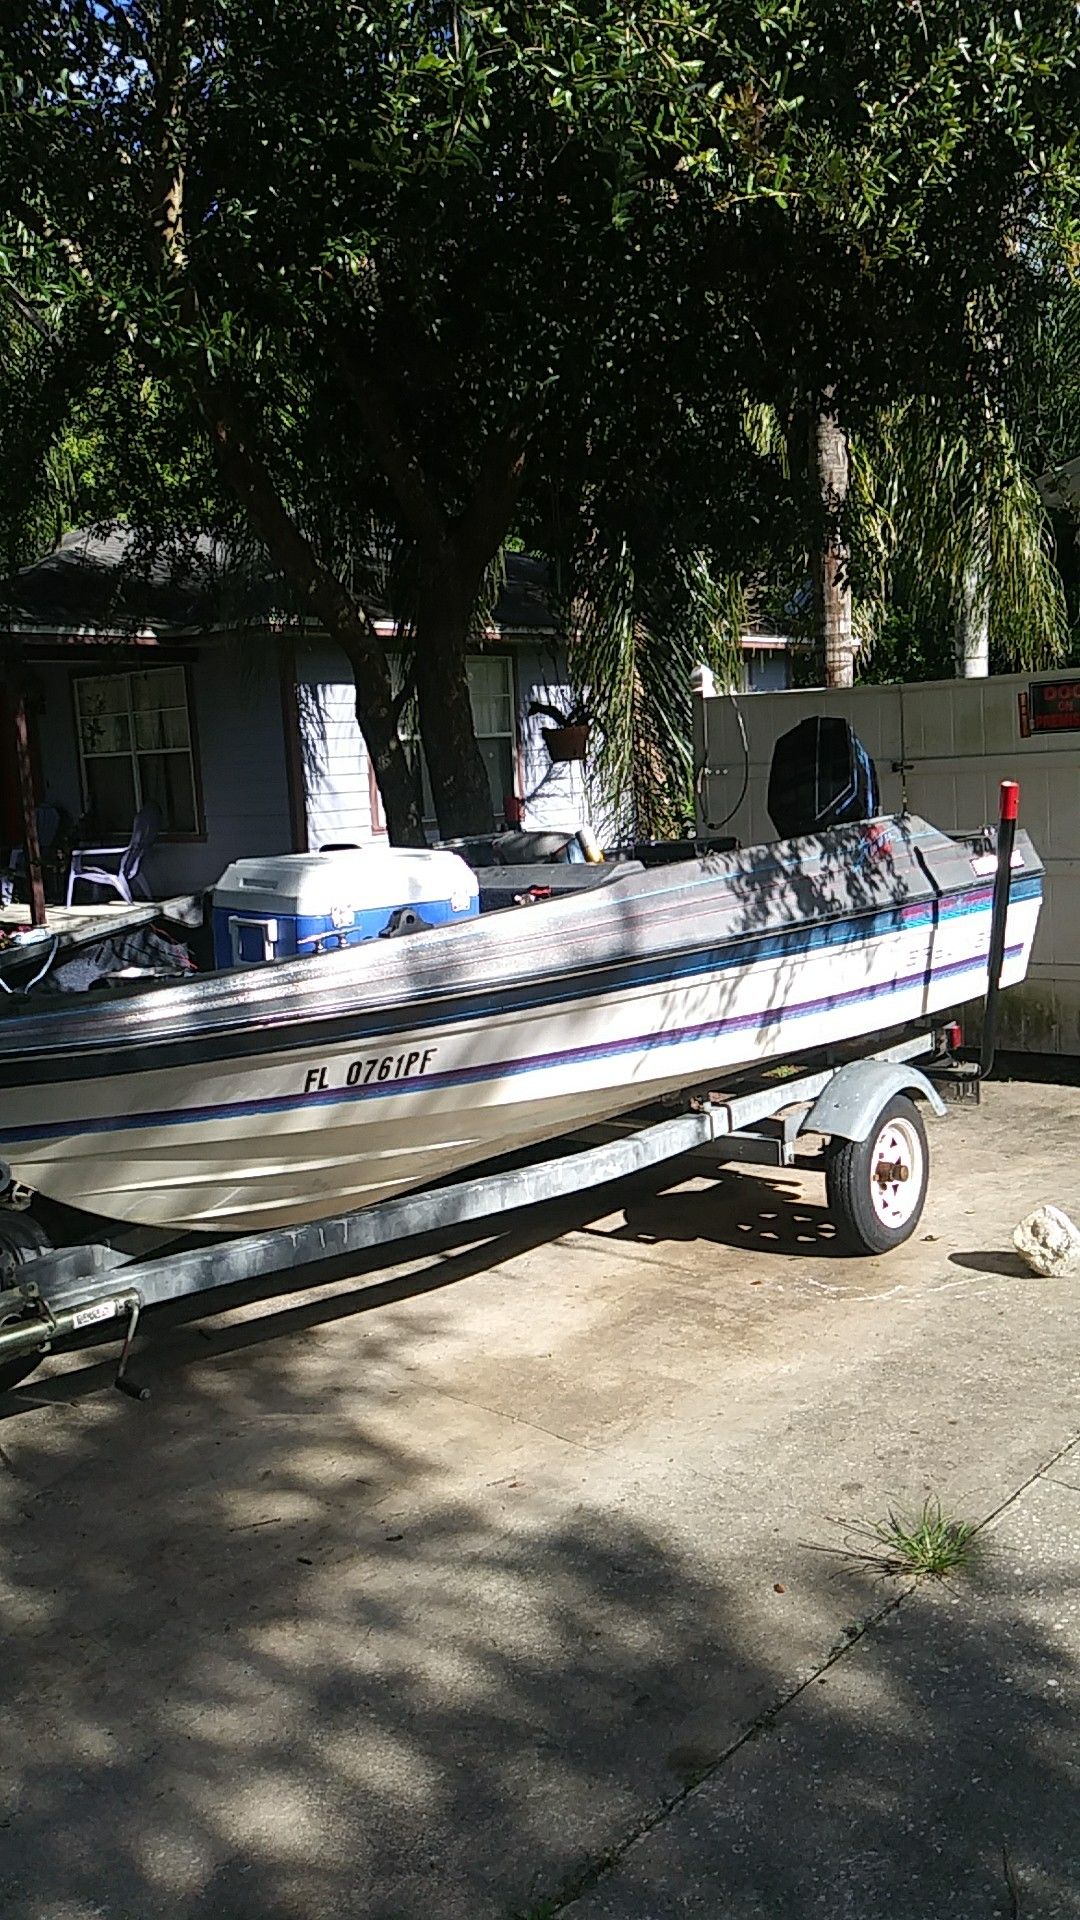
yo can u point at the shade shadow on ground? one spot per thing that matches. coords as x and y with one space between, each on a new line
263 1662
328 1630
991 1260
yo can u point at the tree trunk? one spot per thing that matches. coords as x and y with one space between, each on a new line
375 716
459 780
454 549
831 469
377 721
971 640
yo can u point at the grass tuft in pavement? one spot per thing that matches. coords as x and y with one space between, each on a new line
930 1545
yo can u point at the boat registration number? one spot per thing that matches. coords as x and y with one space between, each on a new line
369 1068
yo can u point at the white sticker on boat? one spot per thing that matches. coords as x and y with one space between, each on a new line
985 864
103 1310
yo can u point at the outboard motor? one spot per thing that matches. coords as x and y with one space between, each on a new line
821 776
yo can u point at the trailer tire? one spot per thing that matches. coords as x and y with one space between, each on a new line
21 1240
877 1187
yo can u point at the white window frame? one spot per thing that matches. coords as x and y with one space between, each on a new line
508 692
133 753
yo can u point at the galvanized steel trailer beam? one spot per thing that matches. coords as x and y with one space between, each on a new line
80 1287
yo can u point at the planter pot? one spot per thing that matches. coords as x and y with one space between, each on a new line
567 743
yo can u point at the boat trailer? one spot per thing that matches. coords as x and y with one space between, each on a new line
874 1156
873 1151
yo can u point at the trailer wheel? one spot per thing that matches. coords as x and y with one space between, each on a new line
876 1187
21 1240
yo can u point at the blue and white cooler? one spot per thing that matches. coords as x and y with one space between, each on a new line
301 903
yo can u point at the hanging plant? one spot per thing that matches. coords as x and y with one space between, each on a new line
568 739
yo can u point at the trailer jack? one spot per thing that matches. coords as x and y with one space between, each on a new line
29 1325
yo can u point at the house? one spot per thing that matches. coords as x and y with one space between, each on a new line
183 683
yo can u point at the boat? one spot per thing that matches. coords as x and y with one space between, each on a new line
280 1094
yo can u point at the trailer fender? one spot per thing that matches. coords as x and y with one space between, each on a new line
856 1094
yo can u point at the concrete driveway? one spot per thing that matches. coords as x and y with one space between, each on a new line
492 1587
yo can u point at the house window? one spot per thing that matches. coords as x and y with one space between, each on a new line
134 732
491 693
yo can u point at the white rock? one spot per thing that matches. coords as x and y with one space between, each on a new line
1049 1241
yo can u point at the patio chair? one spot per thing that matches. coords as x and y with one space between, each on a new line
127 879
13 872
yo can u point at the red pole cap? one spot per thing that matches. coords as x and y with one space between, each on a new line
1010 799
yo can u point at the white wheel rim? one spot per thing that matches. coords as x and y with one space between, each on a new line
896 1174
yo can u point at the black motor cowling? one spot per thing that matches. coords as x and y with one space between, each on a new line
821 776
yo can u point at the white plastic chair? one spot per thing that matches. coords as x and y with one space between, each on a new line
126 879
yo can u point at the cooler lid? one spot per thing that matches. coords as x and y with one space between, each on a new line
318 883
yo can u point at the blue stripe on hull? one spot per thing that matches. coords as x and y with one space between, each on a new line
459 1008
758 1021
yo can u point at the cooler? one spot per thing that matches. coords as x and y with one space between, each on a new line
299 903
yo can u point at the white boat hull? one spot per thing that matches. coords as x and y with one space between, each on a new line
266 1140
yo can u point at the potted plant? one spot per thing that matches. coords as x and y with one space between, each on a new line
568 739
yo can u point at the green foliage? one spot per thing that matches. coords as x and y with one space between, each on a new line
572 272
906 646
957 515
635 644
929 1544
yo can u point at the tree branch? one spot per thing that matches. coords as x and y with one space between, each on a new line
26 312
170 71
247 473
420 509
29 217
485 521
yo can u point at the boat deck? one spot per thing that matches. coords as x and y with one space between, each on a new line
73 926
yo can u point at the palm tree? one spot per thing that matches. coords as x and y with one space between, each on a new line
916 511
958 532
636 630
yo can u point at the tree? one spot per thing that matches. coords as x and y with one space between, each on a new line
966 544
933 214
349 244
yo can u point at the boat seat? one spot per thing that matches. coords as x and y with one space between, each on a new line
503 886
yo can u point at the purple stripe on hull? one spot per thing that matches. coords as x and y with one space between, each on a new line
497 1070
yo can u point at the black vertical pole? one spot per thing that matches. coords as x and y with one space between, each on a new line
25 772
1006 835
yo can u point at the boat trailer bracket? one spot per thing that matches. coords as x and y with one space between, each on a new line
28 1324
848 1107
959 1082
773 1144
